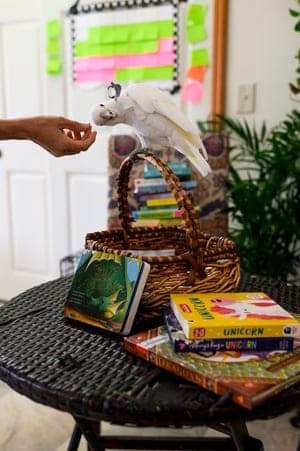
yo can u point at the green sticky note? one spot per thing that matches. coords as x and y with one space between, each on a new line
126 48
199 57
108 34
144 33
196 14
196 33
145 73
53 29
53 47
139 31
53 66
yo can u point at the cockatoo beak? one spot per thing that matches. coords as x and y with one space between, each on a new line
102 116
108 115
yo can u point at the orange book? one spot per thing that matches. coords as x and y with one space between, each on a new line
249 378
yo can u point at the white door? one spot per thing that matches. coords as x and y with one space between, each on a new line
47 205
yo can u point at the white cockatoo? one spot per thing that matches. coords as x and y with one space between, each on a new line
155 117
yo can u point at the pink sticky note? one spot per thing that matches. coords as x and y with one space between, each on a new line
102 76
166 45
164 56
192 91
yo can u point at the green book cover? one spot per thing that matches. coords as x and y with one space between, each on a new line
106 290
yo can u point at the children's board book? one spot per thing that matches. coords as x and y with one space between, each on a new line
180 343
249 377
106 290
232 315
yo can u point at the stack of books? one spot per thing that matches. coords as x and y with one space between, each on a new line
156 205
244 346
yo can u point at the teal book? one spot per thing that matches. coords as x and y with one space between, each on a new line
180 169
153 185
106 290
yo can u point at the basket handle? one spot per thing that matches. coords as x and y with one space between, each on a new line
183 200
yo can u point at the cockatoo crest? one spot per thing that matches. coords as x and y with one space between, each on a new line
156 119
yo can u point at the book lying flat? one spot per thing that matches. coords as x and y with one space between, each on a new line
159 186
168 201
179 168
142 198
180 343
248 377
106 290
151 222
161 213
232 315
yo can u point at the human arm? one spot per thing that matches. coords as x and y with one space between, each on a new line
58 135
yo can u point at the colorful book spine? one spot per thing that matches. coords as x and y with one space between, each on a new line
180 343
157 222
179 168
158 207
162 213
143 198
168 201
181 173
162 187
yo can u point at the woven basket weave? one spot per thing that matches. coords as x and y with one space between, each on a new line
201 262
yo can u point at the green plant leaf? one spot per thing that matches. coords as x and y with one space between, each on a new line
294 13
263 192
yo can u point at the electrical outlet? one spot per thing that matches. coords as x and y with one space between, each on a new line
246 98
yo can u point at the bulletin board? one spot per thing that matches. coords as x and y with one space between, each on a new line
178 45
126 41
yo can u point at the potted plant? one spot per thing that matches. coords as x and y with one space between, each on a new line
263 191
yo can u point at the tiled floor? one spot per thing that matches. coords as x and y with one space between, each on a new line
27 426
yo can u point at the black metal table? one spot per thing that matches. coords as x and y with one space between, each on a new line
86 372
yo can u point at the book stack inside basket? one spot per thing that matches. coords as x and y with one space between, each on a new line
244 345
156 205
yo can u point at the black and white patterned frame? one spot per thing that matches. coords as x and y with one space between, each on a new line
76 9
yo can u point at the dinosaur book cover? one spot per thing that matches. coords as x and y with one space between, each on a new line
249 378
106 290
232 315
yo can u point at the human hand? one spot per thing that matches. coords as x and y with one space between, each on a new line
58 135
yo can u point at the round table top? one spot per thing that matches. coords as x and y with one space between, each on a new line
85 371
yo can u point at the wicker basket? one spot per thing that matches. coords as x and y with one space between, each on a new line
201 261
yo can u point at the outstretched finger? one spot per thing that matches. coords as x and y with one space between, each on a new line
74 125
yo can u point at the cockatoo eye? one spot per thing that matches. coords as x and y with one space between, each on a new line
101 104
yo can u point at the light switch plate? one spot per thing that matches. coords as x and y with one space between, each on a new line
246 98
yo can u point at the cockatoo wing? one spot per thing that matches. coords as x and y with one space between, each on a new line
153 100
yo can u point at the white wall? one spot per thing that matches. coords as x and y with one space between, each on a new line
262 45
